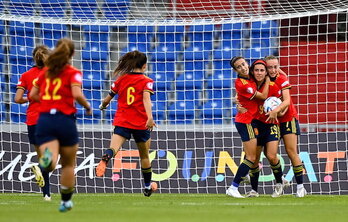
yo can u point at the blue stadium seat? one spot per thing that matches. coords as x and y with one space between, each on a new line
139 38
252 54
18 112
2 56
93 80
53 8
51 33
182 112
93 74
192 95
21 7
109 113
171 37
96 42
222 94
190 80
84 9
158 110
85 119
22 45
213 112
220 79
116 9
262 33
222 57
2 109
167 67
163 80
159 96
201 36
232 35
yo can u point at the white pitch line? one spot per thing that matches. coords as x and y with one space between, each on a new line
245 204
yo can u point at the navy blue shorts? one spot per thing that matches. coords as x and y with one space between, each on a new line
291 127
246 131
138 135
31 134
57 126
266 132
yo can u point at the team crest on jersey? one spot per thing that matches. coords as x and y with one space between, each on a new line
78 77
285 83
250 90
149 85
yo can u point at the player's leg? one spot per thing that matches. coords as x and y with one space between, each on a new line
290 131
49 156
42 177
143 141
254 174
116 142
67 178
247 134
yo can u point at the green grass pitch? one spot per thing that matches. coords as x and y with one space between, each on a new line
174 207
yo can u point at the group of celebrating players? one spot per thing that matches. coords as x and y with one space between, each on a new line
53 85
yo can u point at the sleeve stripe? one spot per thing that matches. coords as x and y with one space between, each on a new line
20 87
150 91
288 87
252 97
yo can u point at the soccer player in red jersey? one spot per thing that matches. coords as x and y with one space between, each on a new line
57 88
133 115
246 90
268 134
25 84
289 125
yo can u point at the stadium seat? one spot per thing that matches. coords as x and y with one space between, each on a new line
163 80
159 96
222 57
96 42
171 37
51 33
84 9
213 112
2 56
263 33
116 9
21 7
189 95
139 38
109 113
220 79
189 80
201 36
158 110
93 80
252 54
181 112
85 119
224 95
93 74
53 8
232 35
18 112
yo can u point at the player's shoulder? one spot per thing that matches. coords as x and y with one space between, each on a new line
147 78
71 70
282 77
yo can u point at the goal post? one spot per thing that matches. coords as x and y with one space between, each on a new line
189 43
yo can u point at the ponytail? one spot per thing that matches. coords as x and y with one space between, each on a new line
60 57
40 54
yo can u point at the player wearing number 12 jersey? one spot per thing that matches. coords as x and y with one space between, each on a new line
134 114
57 87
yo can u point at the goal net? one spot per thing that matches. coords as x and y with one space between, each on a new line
189 44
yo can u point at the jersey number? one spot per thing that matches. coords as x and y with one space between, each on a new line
57 82
130 96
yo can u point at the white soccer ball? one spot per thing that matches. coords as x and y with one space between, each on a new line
271 103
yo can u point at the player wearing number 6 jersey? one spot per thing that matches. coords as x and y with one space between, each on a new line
134 114
57 87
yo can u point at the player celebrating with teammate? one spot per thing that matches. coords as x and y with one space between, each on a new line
268 134
57 87
25 84
289 126
134 113
247 94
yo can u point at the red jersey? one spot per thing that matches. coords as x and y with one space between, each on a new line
273 91
56 93
246 90
283 83
26 83
130 110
